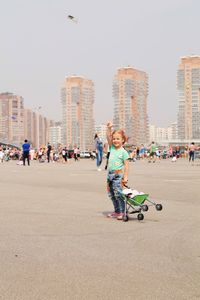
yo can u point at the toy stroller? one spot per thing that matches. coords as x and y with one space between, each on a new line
136 201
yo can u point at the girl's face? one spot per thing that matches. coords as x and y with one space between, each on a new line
117 140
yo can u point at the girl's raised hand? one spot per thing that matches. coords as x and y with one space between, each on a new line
109 124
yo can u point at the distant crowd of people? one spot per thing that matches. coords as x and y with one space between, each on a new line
43 154
48 153
154 153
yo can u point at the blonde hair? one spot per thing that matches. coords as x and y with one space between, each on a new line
122 133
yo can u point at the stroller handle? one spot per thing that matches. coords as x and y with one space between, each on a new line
126 186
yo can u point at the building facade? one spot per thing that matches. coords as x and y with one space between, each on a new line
18 123
29 132
188 87
163 134
11 118
36 128
55 134
130 91
173 131
77 97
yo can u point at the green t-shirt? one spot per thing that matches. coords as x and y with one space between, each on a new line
117 158
153 148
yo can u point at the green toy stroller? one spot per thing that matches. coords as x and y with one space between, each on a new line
136 202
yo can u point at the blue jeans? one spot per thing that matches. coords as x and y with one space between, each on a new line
99 156
191 155
114 185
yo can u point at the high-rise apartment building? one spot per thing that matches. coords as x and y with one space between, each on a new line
18 123
161 134
188 86
11 118
173 130
55 134
130 91
77 96
36 128
29 126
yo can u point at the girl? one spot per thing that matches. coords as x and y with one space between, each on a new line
117 170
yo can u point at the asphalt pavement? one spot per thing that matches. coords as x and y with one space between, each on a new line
56 242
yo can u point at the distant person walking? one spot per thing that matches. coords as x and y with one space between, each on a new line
99 151
191 152
64 155
78 153
152 154
48 152
26 150
1 155
142 151
75 153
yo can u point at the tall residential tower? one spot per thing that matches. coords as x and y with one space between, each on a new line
130 91
11 118
77 96
188 86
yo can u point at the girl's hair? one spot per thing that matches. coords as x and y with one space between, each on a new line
96 135
122 133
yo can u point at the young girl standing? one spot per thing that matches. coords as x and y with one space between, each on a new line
117 170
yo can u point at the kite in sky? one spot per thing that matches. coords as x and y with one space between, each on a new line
75 20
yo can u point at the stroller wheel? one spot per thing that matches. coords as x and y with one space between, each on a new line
145 207
159 207
140 217
125 218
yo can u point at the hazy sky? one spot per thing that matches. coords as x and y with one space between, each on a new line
39 46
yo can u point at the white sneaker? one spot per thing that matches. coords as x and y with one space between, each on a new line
98 169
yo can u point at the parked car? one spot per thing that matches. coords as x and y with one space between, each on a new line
93 155
197 154
85 154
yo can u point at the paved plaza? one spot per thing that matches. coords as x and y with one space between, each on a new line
56 242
